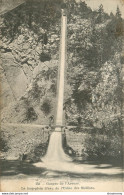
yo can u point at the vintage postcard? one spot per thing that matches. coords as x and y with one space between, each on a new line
62 112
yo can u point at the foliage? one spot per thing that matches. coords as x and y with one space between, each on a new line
102 146
3 143
44 57
31 114
46 107
36 154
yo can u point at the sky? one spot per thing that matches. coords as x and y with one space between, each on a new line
109 5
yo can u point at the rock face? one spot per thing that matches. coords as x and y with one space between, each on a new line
26 65
6 5
13 77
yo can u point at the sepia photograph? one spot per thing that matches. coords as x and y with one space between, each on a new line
61 95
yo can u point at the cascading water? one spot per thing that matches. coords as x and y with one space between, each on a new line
55 150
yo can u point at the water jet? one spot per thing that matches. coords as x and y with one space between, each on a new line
55 150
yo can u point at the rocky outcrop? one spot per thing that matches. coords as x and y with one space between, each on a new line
25 62
17 82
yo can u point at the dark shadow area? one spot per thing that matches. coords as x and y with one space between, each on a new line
107 161
15 167
96 176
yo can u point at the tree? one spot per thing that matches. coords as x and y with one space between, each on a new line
101 10
118 13
119 23
100 17
111 15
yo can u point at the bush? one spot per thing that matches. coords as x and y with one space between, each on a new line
102 146
46 107
36 154
45 57
31 114
3 144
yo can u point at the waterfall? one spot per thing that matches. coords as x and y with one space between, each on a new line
55 150
61 73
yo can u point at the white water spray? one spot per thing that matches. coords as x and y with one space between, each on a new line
55 150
